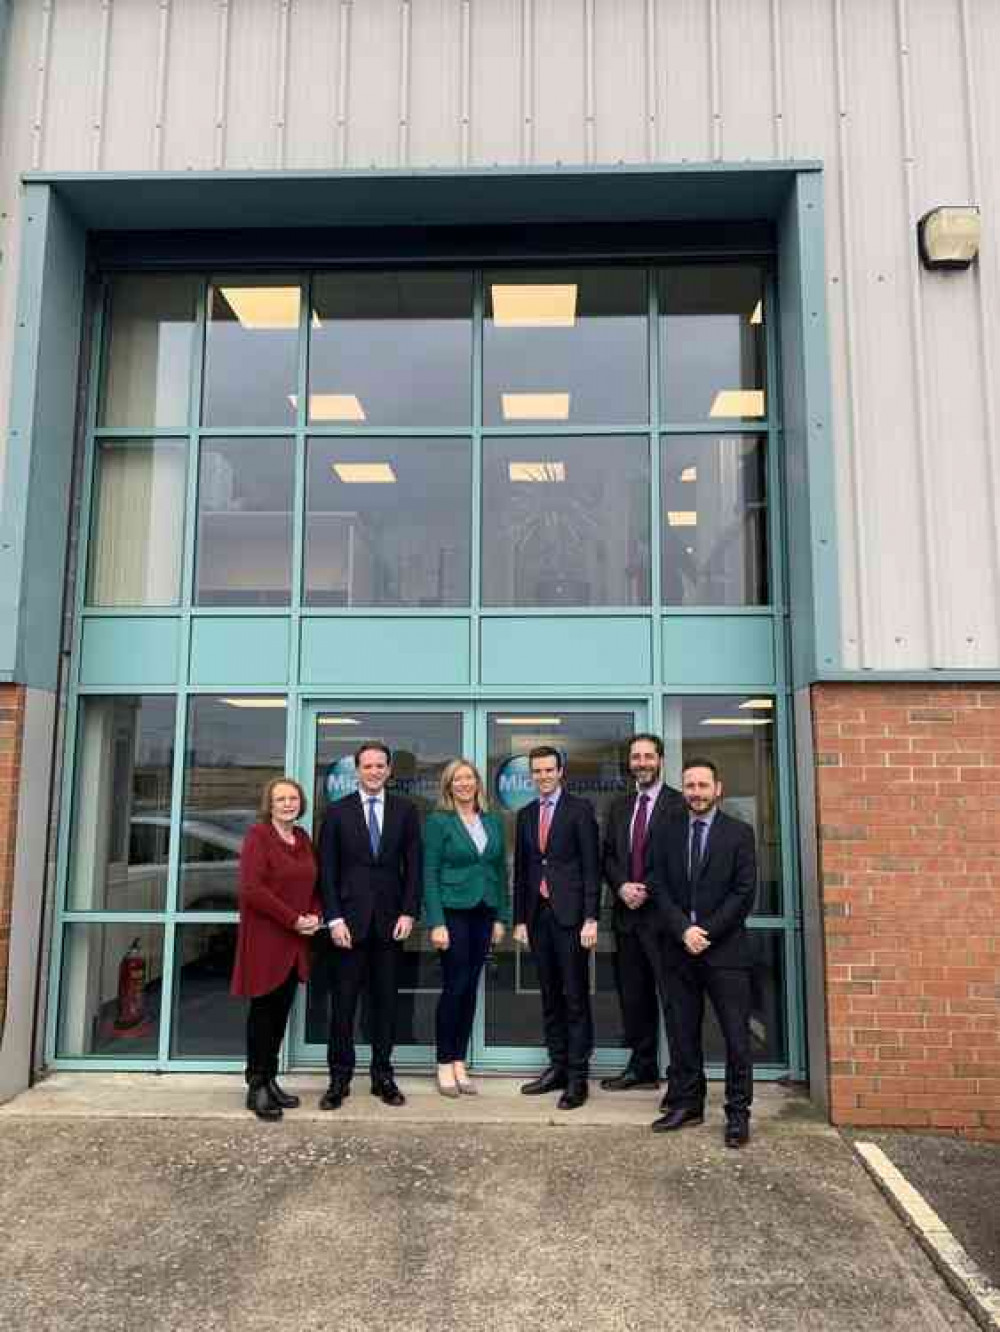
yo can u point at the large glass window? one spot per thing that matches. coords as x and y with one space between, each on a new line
251 352
565 345
137 534
712 362
391 349
388 522
566 521
234 746
714 520
110 992
207 1022
147 373
736 732
120 841
244 548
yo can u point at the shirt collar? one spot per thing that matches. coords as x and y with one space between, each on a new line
365 796
706 819
552 799
651 791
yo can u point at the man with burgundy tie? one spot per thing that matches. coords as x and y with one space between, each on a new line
557 884
633 820
703 875
371 865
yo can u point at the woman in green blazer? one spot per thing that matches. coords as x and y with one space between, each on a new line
466 907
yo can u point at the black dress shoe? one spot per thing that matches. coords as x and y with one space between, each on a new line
260 1101
678 1119
573 1097
388 1092
335 1096
737 1132
630 1081
551 1080
285 1099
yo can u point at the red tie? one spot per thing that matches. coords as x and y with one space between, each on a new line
544 823
639 840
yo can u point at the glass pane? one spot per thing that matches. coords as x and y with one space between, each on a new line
594 744
565 345
251 352
147 374
234 747
207 1022
388 522
768 1037
391 349
712 361
109 993
120 840
714 499
245 522
737 733
137 530
566 521
421 743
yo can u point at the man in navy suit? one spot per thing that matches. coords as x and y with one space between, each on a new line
370 875
703 875
557 884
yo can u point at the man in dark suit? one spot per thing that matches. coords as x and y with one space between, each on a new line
370 876
703 873
633 821
556 901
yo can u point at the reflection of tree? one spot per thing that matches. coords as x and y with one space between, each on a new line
552 543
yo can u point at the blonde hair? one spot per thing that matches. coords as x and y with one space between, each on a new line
446 799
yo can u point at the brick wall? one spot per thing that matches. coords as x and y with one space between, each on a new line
11 726
908 797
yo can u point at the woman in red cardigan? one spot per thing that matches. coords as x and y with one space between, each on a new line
279 911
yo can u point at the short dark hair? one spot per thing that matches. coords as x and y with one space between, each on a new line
649 737
545 752
380 745
264 804
698 762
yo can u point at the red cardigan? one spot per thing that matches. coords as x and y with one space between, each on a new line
277 885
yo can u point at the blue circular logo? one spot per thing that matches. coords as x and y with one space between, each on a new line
341 778
514 787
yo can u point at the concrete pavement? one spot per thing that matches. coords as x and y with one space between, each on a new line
157 1203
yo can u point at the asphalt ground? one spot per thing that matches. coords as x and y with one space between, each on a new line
394 1220
960 1180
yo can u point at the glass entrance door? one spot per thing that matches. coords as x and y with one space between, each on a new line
593 740
422 740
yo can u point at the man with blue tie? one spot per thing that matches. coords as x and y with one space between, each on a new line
557 884
371 861
703 874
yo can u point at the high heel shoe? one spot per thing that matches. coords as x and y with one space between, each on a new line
446 1088
465 1084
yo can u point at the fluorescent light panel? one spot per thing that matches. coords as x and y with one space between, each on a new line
534 305
738 402
757 317
339 721
735 721
689 474
682 518
255 702
331 406
264 307
536 471
764 703
535 406
365 474
528 721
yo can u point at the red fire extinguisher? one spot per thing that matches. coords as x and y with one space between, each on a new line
131 987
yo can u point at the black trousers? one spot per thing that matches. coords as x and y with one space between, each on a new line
372 963
641 981
564 980
469 934
689 980
267 1019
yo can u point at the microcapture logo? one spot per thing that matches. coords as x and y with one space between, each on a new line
515 788
341 778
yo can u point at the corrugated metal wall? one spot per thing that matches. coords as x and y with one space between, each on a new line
899 98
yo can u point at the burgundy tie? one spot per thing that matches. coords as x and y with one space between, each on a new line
638 857
544 823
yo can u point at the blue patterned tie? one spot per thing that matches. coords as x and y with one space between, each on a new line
374 836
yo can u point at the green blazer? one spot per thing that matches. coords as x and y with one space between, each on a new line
456 875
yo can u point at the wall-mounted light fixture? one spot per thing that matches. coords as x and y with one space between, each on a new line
949 237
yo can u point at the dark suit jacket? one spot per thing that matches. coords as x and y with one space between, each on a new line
722 893
571 865
616 859
361 887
